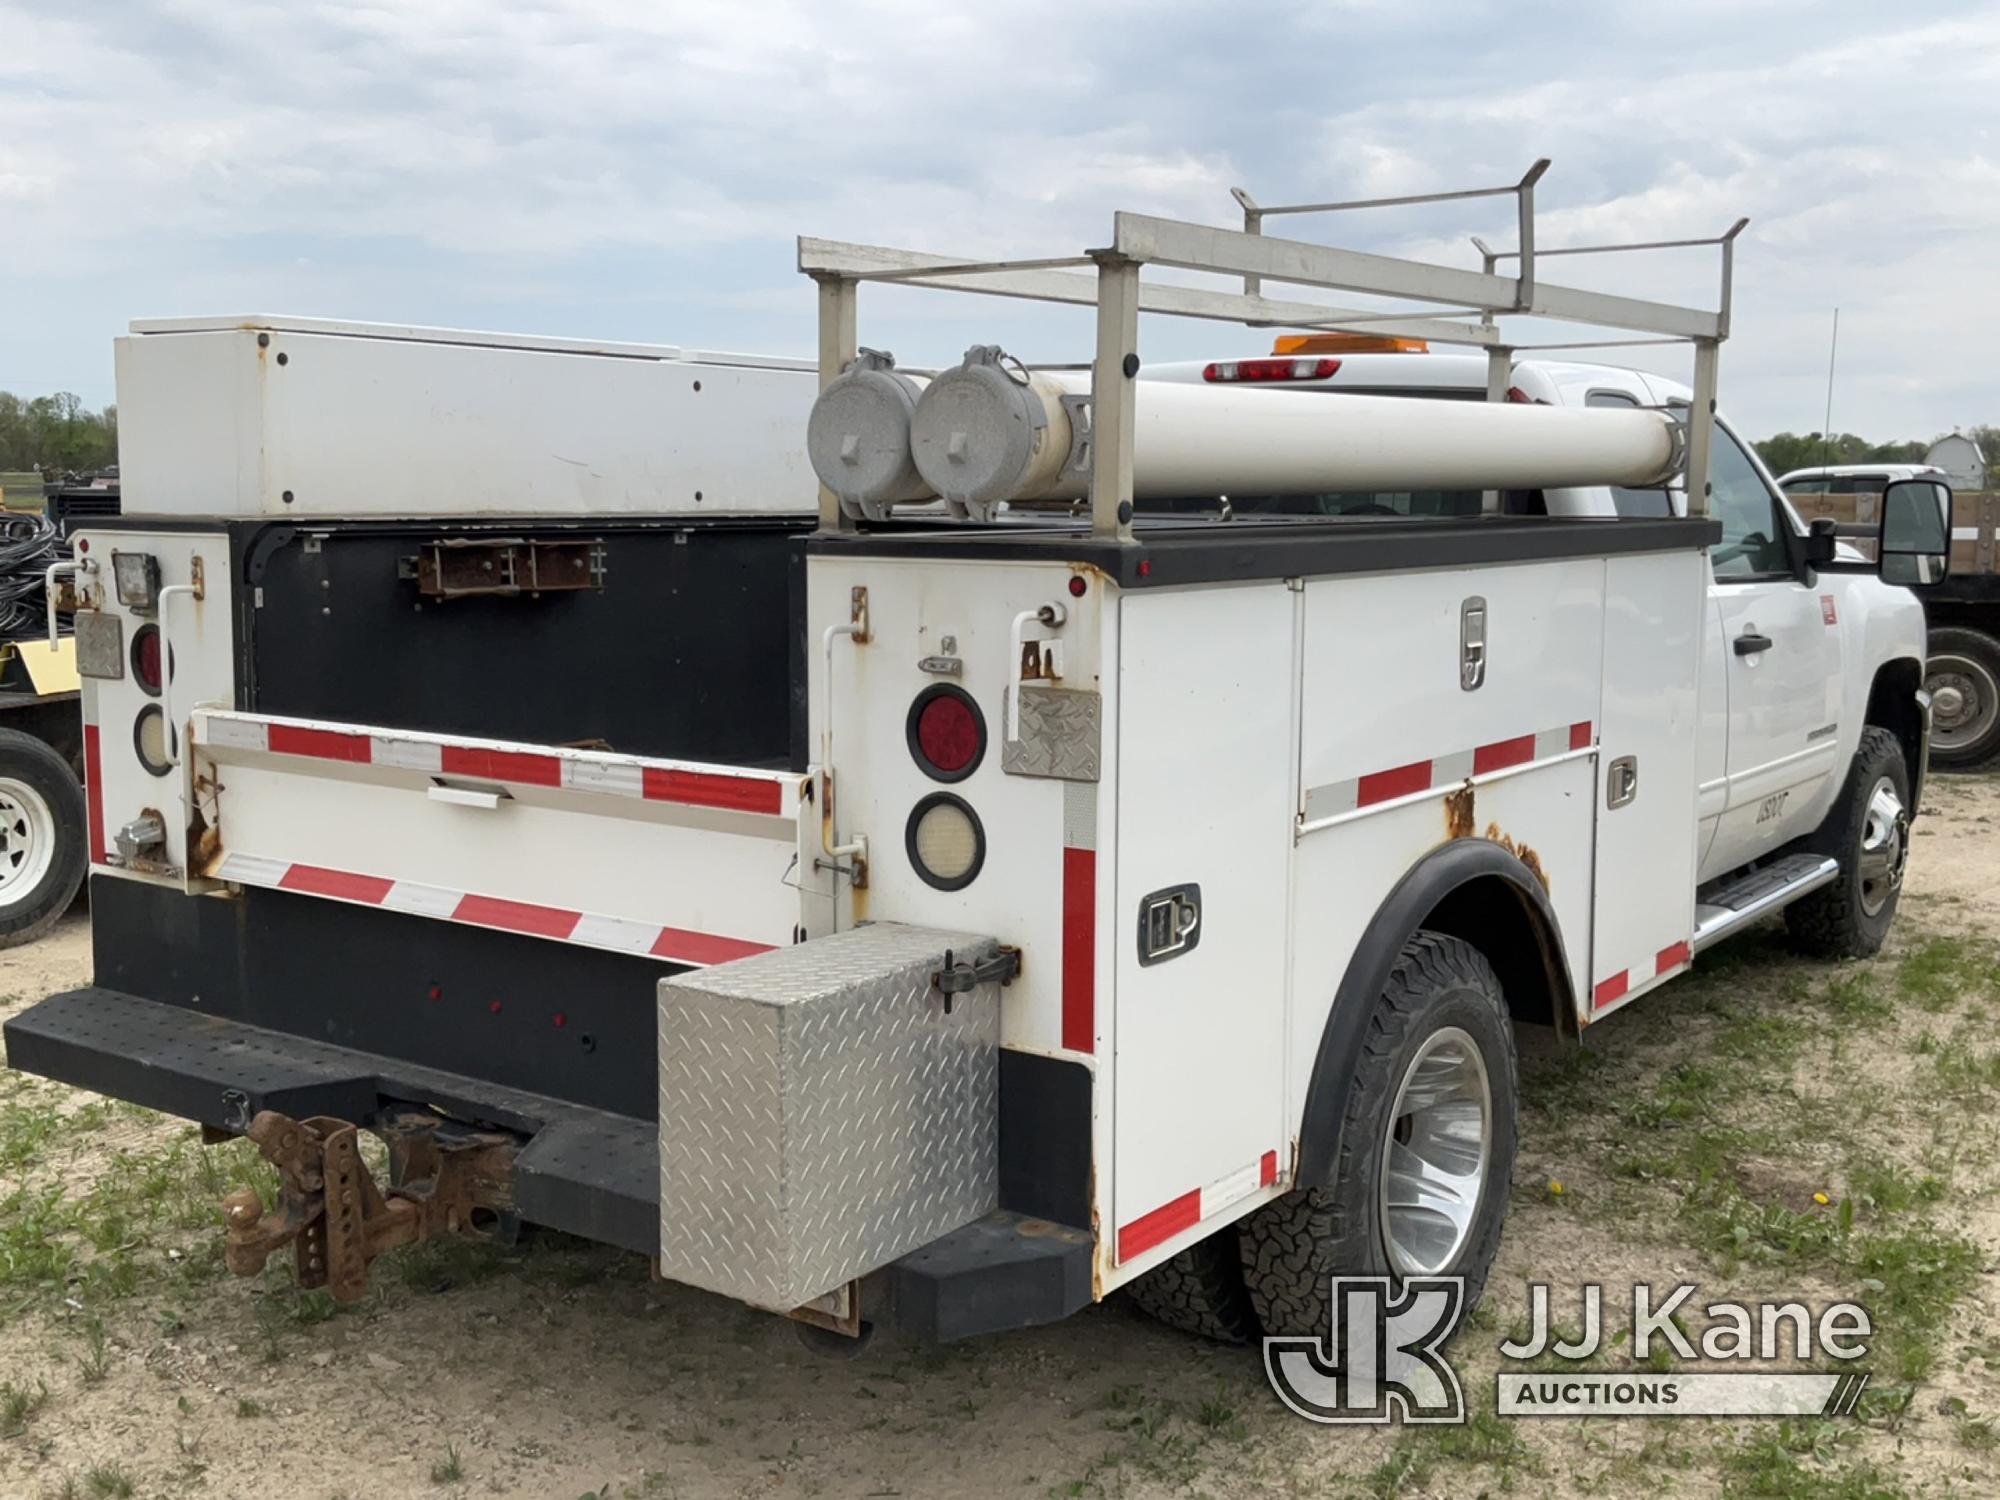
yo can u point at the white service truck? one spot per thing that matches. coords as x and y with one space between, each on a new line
1104 841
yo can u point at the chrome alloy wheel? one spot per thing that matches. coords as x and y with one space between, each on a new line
1885 846
1440 1138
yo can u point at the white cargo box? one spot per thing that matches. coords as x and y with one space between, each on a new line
265 416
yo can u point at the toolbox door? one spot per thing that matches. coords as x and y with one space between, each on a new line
1205 797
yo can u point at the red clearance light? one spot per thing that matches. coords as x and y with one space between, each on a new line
1245 370
946 732
146 659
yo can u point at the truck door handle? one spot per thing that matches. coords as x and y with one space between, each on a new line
1750 643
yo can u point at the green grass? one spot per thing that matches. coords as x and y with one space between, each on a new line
18 1405
110 1481
449 1469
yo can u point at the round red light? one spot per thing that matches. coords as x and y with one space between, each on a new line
947 733
148 664
1077 586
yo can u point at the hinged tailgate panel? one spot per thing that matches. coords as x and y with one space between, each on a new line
690 863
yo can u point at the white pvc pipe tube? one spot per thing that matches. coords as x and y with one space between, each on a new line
1232 440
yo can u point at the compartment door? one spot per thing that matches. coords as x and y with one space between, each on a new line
1205 801
1643 902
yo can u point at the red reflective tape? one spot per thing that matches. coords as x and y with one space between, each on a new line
322 744
516 916
1079 950
93 792
702 947
1159 1226
1611 989
1579 736
1399 782
1503 753
704 789
1267 1169
343 885
1671 956
501 765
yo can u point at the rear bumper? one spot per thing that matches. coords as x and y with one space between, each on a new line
584 1171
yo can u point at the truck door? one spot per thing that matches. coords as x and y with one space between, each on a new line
1779 663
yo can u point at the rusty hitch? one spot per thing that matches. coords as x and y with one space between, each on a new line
445 1179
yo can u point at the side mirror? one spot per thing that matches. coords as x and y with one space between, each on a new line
1820 541
1914 546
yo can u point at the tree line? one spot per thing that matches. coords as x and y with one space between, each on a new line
1811 450
56 435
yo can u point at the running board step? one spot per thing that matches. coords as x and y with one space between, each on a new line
1735 903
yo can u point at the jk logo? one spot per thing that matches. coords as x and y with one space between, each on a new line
1381 1356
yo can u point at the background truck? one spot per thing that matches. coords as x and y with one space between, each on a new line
1040 869
1962 673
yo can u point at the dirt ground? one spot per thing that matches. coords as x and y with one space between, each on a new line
1768 1126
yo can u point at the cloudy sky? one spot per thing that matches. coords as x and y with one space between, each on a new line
636 169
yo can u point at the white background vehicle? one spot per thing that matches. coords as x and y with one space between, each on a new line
950 920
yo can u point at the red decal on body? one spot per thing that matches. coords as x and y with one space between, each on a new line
516 916
1826 610
93 787
1267 1169
1399 782
321 744
1159 1226
1502 754
501 765
343 885
1611 989
1671 956
1579 736
702 947
704 789
1079 950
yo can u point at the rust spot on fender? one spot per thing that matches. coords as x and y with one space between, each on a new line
1458 813
1522 852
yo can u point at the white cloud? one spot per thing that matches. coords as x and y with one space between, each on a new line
634 169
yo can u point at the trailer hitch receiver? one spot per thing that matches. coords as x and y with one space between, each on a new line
445 1179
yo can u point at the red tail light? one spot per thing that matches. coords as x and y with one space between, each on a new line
1245 370
947 733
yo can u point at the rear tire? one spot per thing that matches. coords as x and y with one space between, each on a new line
42 836
1870 836
1962 674
1441 1022
1200 1291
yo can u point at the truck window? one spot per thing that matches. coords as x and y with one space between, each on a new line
1631 502
1752 546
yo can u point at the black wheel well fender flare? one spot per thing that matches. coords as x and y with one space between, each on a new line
1473 889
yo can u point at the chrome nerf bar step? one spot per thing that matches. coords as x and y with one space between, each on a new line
1735 903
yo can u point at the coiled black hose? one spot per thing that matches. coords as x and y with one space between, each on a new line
28 544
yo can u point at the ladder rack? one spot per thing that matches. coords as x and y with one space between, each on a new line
1110 279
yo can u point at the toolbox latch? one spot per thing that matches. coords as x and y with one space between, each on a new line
962 979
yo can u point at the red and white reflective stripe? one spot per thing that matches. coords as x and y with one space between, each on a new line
1188 1210
1443 772
93 792
1079 916
599 771
619 934
1615 987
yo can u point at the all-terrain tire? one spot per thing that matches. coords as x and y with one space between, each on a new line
1200 1291
1966 663
1293 1246
1834 921
42 837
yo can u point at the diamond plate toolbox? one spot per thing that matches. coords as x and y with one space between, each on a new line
821 1113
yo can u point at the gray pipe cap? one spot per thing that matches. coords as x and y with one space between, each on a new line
977 429
858 436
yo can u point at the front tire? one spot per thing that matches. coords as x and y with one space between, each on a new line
1871 839
42 855
1426 1157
